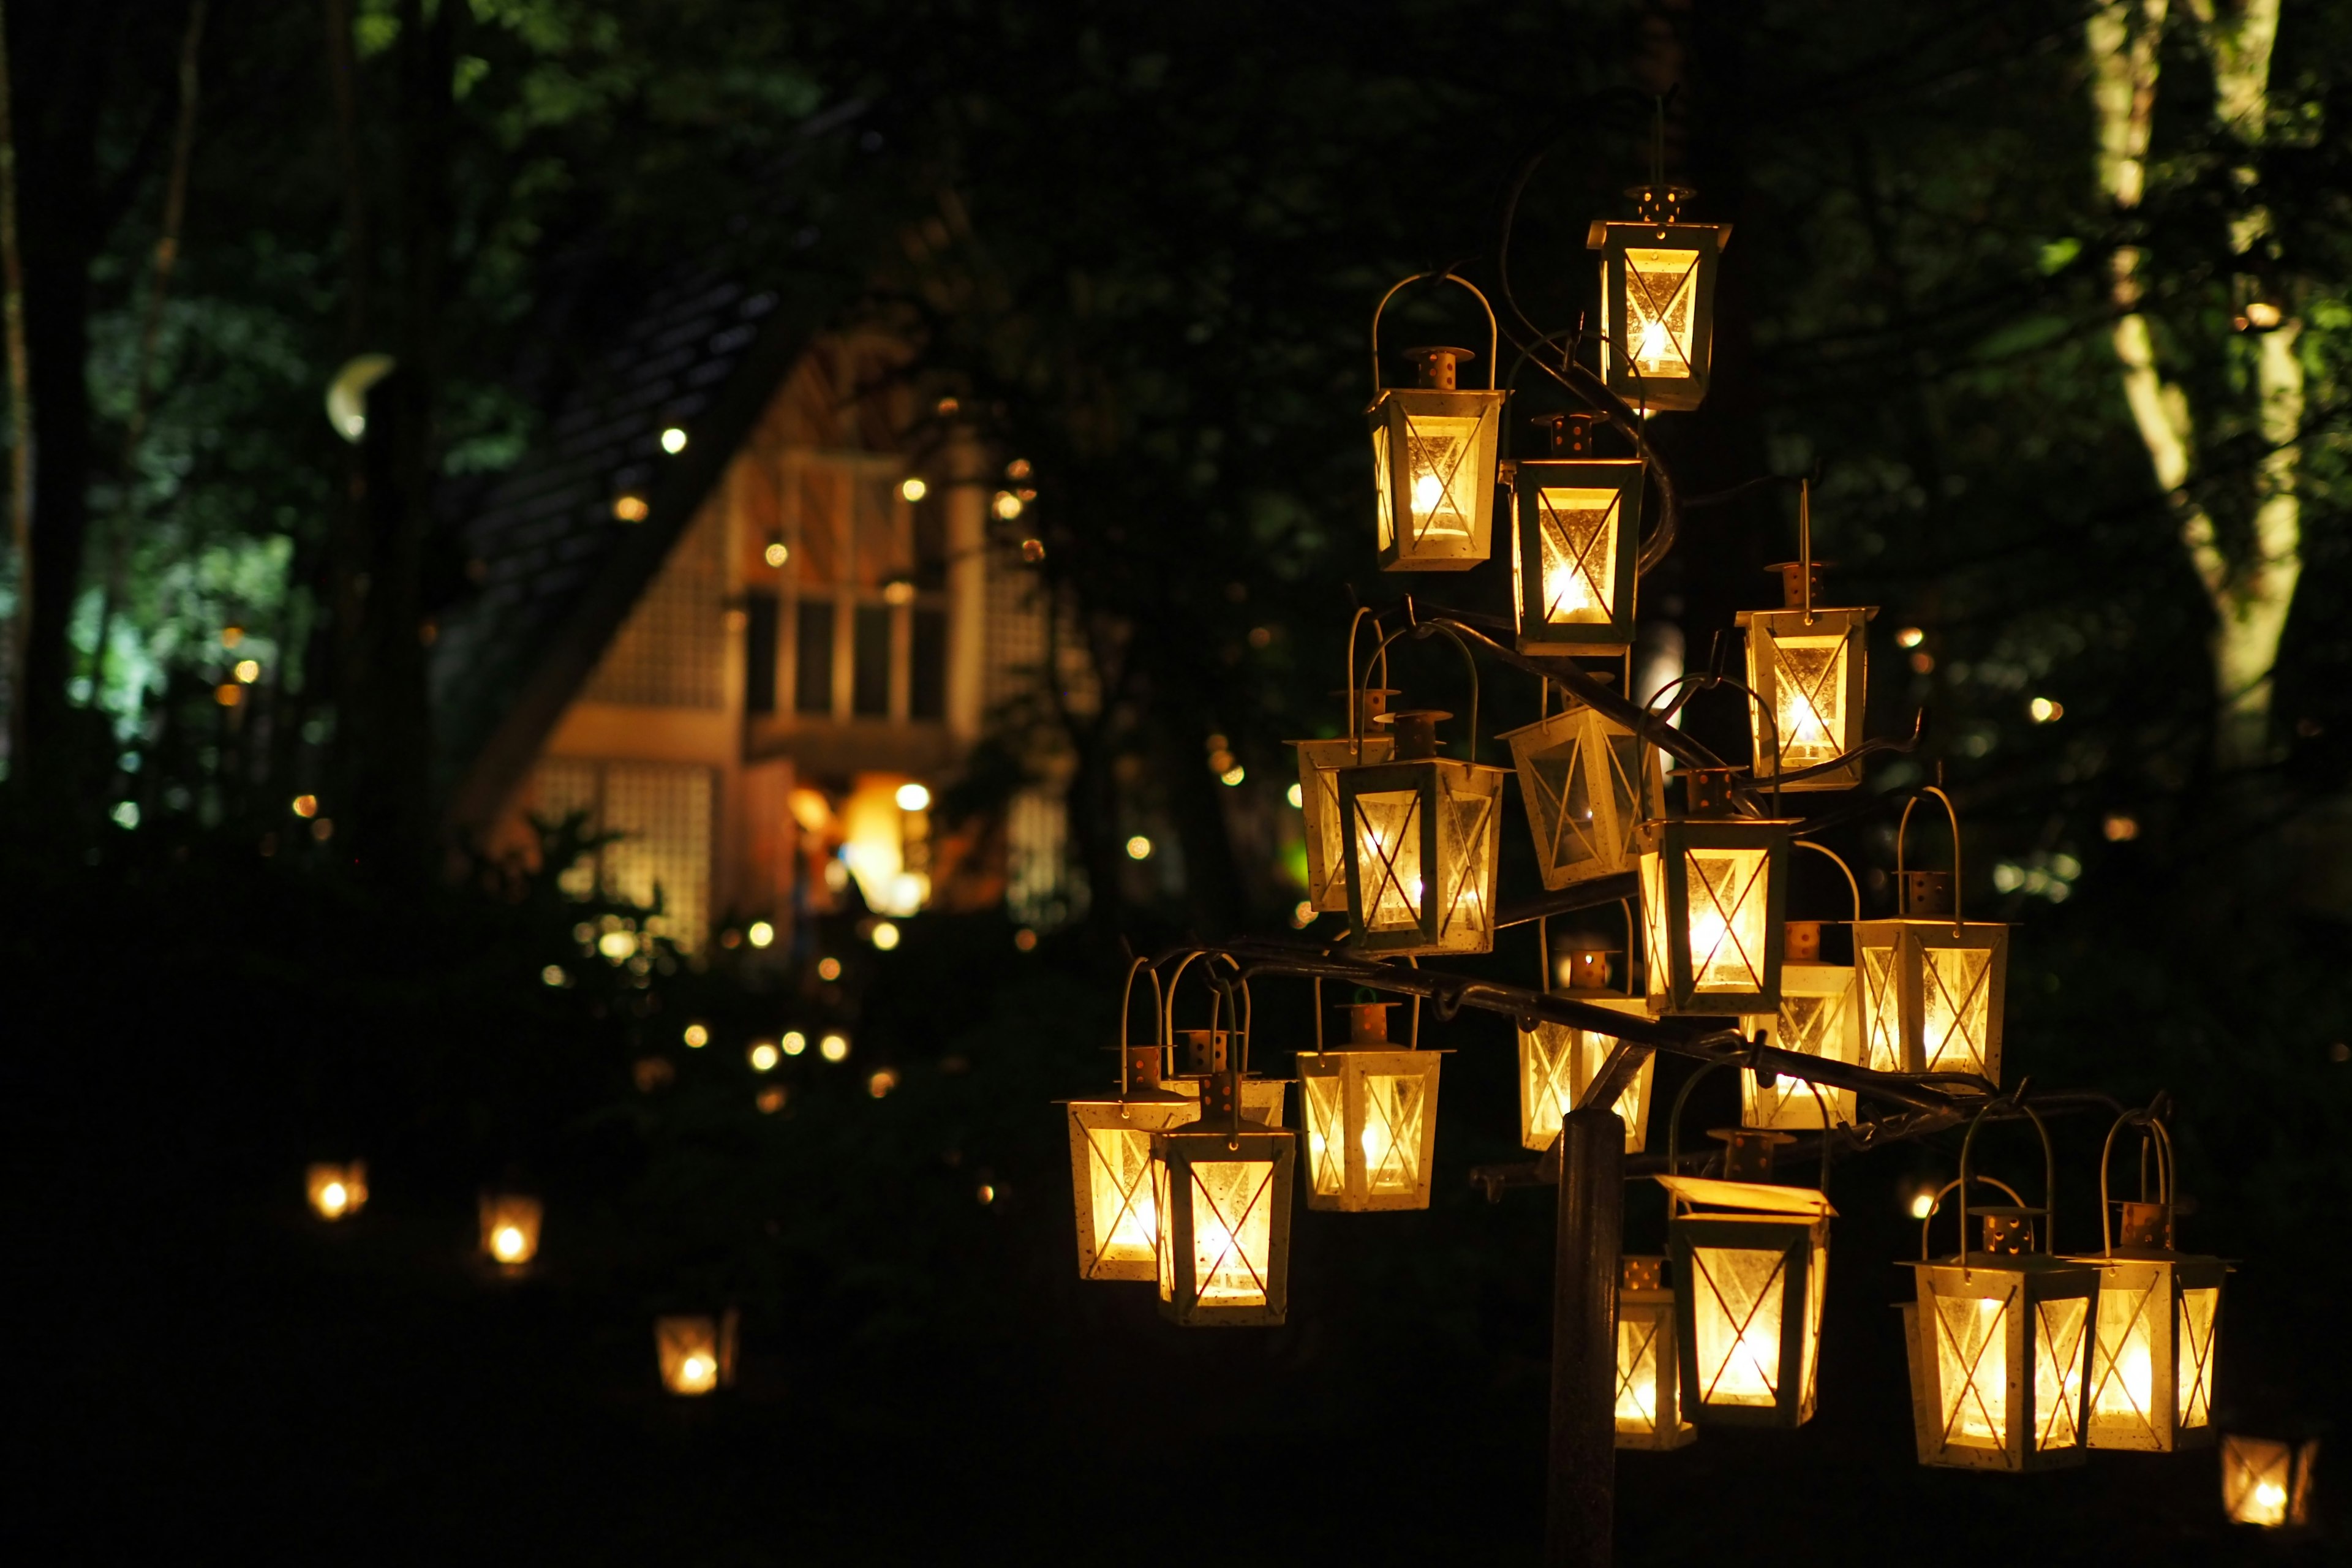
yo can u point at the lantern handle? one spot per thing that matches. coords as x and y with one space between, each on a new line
1420 629
1494 332
1901 828
2049 1179
2151 1131
1936 1206
1168 1025
1355 698
1840 862
1698 680
1126 1001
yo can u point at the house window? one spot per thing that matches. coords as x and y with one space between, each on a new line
661 811
865 592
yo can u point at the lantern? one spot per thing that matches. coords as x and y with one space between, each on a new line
1587 792
1933 986
337 1190
1434 453
1999 1341
1110 1169
1579 525
1806 666
509 1228
696 1354
1649 1404
2152 1350
1752 1261
1371 1113
1423 833
1818 1016
1222 1188
1559 1061
1319 762
1657 300
2267 1483
1712 890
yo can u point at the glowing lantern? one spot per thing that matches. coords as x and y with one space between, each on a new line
1579 520
1818 1016
696 1354
1319 762
2152 1354
2267 1483
1657 300
1371 1119
1221 1189
1751 1260
337 1190
1806 666
1933 986
1422 839
1587 792
1999 1341
509 1228
1559 1061
1649 1403
1712 890
1434 450
1111 1160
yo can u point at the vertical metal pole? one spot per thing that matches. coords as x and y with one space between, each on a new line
1581 1485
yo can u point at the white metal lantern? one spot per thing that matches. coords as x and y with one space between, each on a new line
337 1190
1435 448
1751 1265
1577 517
1657 302
1649 1371
1116 1213
1371 1115
1222 1186
1933 984
1712 890
1319 762
1820 1016
1999 1341
1807 665
511 1223
1423 836
1587 792
2266 1482
1557 1062
2159 1315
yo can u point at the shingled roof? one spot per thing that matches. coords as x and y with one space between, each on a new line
556 571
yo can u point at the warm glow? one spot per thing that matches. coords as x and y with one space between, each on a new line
1737 1295
1138 847
1232 1230
2123 1358
2258 1477
697 1373
1006 505
1557 1063
2193 1353
507 1244
1295 795
1388 858
630 508
776 555
1232 775
1026 939
232 636
1809 689
1956 1005
248 670
1972 1368
1661 301
337 1190
306 805
1580 530
879 833
617 945
1446 481
1910 636
1923 1204
881 1083
795 1042
833 1048
913 488
690 1352
697 1036
1125 1219
884 936
228 694
1726 891
332 1199
2042 711
1637 1374
672 440
511 1224
2059 1342
828 969
760 934
770 1100
763 1056
914 797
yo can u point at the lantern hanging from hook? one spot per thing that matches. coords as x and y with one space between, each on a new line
1437 447
1371 1114
1116 1215
1222 1188
1807 665
1557 1062
1319 762
1658 295
1820 1016
1578 522
1934 985
1713 887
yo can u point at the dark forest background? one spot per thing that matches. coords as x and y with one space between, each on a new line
1144 246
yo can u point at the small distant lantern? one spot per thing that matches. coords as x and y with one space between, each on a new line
1818 1016
1116 1213
2152 1356
1999 1341
1579 521
510 1228
1557 1062
1319 762
1587 792
1657 299
2266 1482
1806 664
1933 986
337 1191
1434 453
696 1354
1712 890
1222 1186
1648 1402
1371 1112
1423 840
1751 1263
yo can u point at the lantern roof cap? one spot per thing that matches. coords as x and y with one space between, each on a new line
1140 1095
1763 1197
2006 1262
